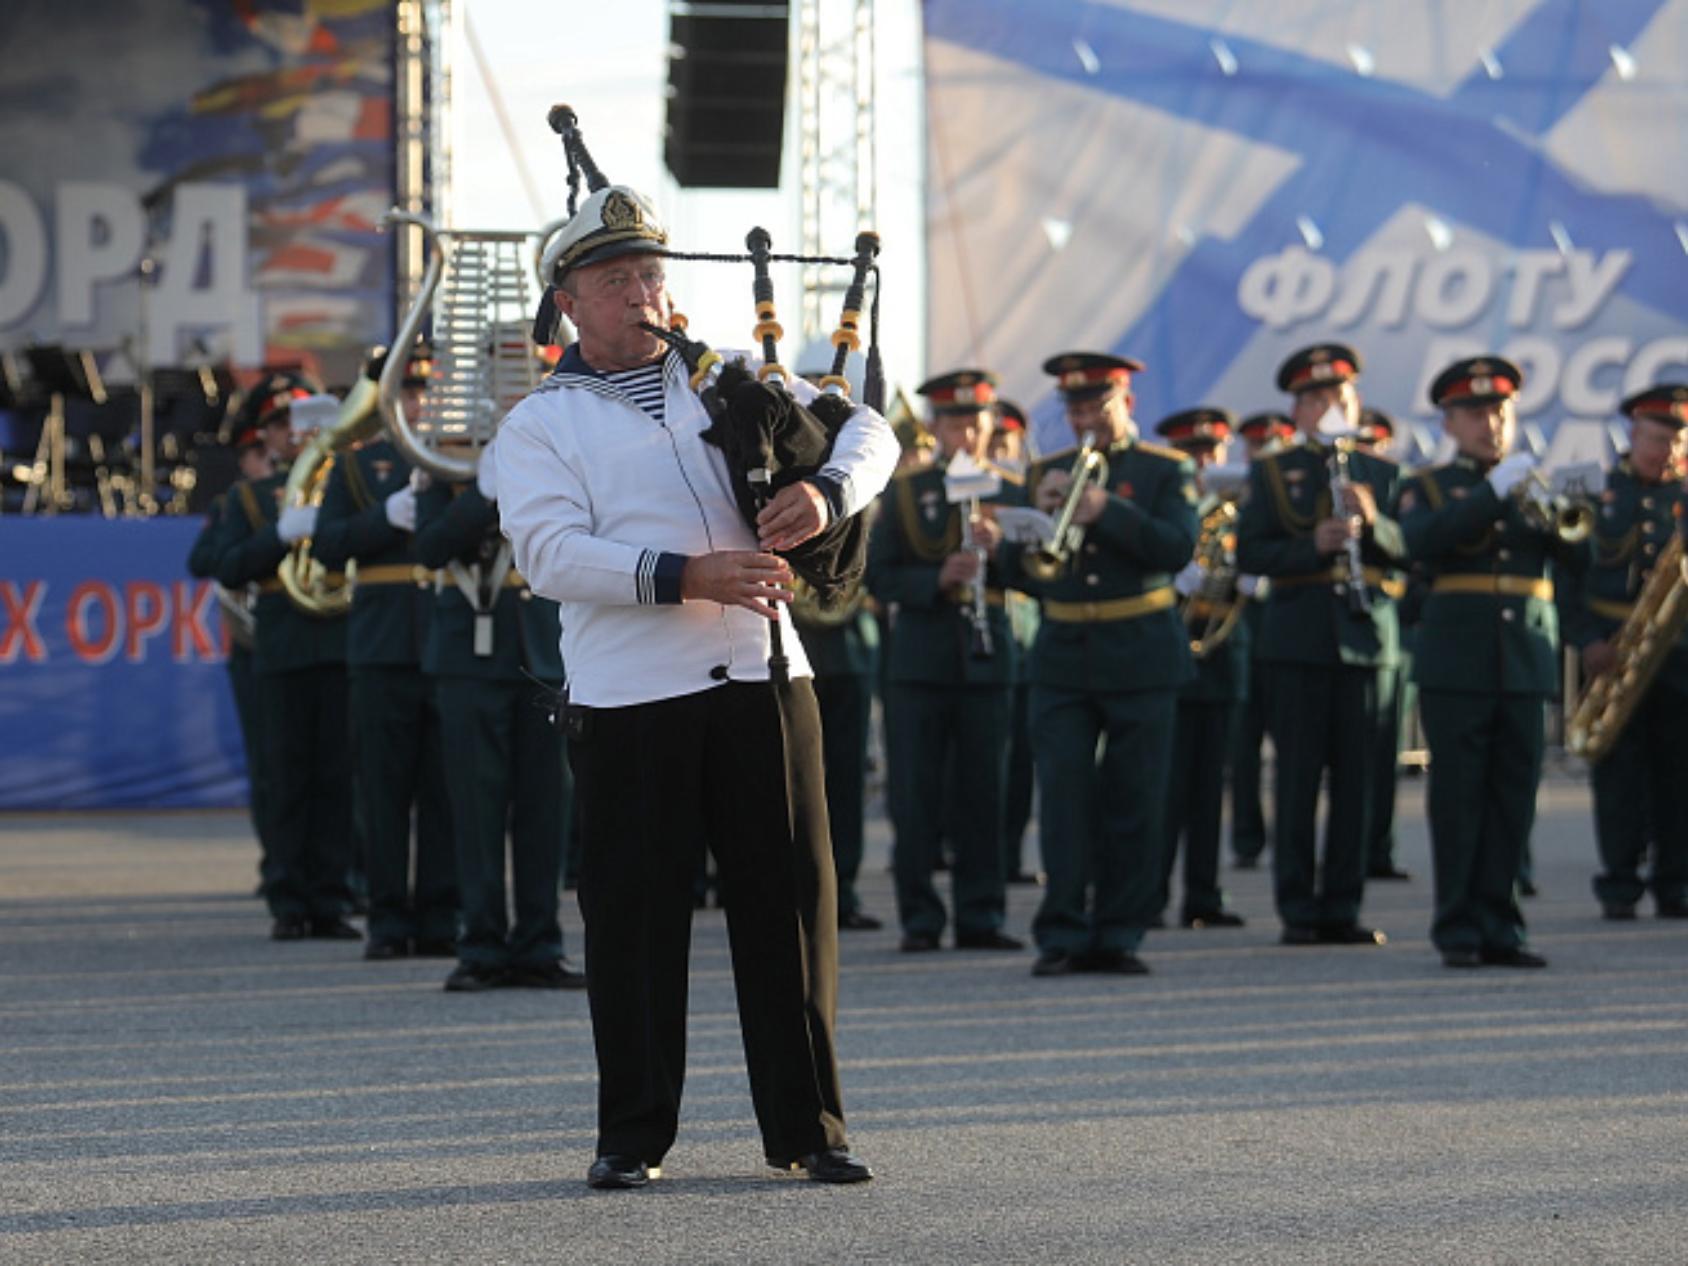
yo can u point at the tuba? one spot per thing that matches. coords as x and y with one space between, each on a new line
1089 469
311 586
1211 612
480 289
1646 637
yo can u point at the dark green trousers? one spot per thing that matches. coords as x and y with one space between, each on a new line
1021 780
845 699
1380 848
1640 799
396 741
506 773
1322 718
1248 815
309 758
1103 762
1485 764
243 683
1195 792
931 723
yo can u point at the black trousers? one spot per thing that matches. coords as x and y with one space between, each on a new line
740 764
243 681
1195 794
307 752
1248 814
1639 800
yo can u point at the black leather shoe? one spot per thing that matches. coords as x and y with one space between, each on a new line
620 1173
1512 956
856 921
1527 888
558 975
1024 879
436 947
1298 934
1114 963
918 943
1351 934
1246 863
833 1165
384 949
1054 963
1158 923
332 927
1673 909
992 940
1461 958
1618 912
473 978
1217 919
289 929
1388 872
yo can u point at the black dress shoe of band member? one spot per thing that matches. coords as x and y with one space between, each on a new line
331 927
1114 963
857 921
834 1165
1617 911
1214 919
918 943
1512 956
1246 863
1299 934
1024 878
1051 962
1527 888
1351 934
290 929
436 947
620 1173
1673 909
474 978
380 951
991 940
1388 872
1461 958
552 975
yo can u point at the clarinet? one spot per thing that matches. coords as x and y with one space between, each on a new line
1359 597
768 331
975 604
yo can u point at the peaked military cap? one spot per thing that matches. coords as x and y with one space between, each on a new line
418 371
1319 366
1084 375
1476 380
247 437
1196 428
614 221
1375 425
1010 416
962 391
269 398
1667 403
1263 426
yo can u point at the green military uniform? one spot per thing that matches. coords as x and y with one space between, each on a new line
939 699
1320 658
1487 661
1639 792
844 656
1021 776
1106 668
1377 428
395 722
202 562
300 665
503 756
1248 813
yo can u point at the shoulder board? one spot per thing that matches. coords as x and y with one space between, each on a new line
1161 451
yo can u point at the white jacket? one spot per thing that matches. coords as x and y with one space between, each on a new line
604 506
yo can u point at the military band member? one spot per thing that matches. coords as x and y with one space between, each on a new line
1260 433
1329 626
1109 659
1487 662
1008 453
1377 433
367 517
949 670
1639 793
1207 705
300 662
491 648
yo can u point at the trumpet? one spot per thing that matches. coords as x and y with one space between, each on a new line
1359 597
1089 469
1568 516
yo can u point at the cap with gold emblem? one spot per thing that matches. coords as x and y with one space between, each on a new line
1376 426
1319 366
1084 375
1667 403
247 437
1196 428
612 222
1010 416
962 391
1264 426
1477 380
418 371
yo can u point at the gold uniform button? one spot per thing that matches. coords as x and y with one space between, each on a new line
1649 528
1649 548
1500 525
1092 579
1504 554
1090 548
1646 503
1509 615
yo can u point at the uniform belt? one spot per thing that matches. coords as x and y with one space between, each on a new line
1611 610
1200 609
271 585
1161 599
1337 574
394 574
1496 586
993 597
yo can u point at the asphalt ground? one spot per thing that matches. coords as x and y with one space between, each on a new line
176 1088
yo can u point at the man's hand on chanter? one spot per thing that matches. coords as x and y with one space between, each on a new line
738 578
797 512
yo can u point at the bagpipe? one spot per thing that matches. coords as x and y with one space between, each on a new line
770 438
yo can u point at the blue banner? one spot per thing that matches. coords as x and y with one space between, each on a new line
114 690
